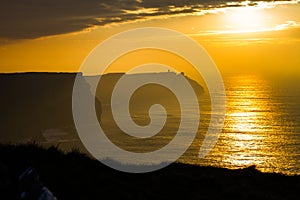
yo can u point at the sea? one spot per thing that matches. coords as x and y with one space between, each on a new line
262 127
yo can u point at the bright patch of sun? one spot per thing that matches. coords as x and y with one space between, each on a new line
245 19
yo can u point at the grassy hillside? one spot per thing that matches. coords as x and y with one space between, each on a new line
75 176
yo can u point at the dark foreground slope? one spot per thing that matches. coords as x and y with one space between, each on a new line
76 176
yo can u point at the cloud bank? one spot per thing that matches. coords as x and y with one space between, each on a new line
26 19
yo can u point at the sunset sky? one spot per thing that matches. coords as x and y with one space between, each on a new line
240 36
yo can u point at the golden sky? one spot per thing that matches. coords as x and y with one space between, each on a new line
250 37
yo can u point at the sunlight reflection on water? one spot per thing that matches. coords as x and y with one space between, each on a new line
258 130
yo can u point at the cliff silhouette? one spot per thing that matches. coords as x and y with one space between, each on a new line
33 104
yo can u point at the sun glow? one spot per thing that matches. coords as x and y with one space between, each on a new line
246 19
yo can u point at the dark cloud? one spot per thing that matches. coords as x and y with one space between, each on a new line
24 19
35 18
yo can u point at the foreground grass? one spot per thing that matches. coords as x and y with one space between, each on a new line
76 176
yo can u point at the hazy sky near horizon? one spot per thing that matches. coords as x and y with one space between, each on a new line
240 36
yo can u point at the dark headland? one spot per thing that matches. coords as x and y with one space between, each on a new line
31 103
74 175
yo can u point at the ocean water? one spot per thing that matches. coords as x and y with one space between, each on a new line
262 127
